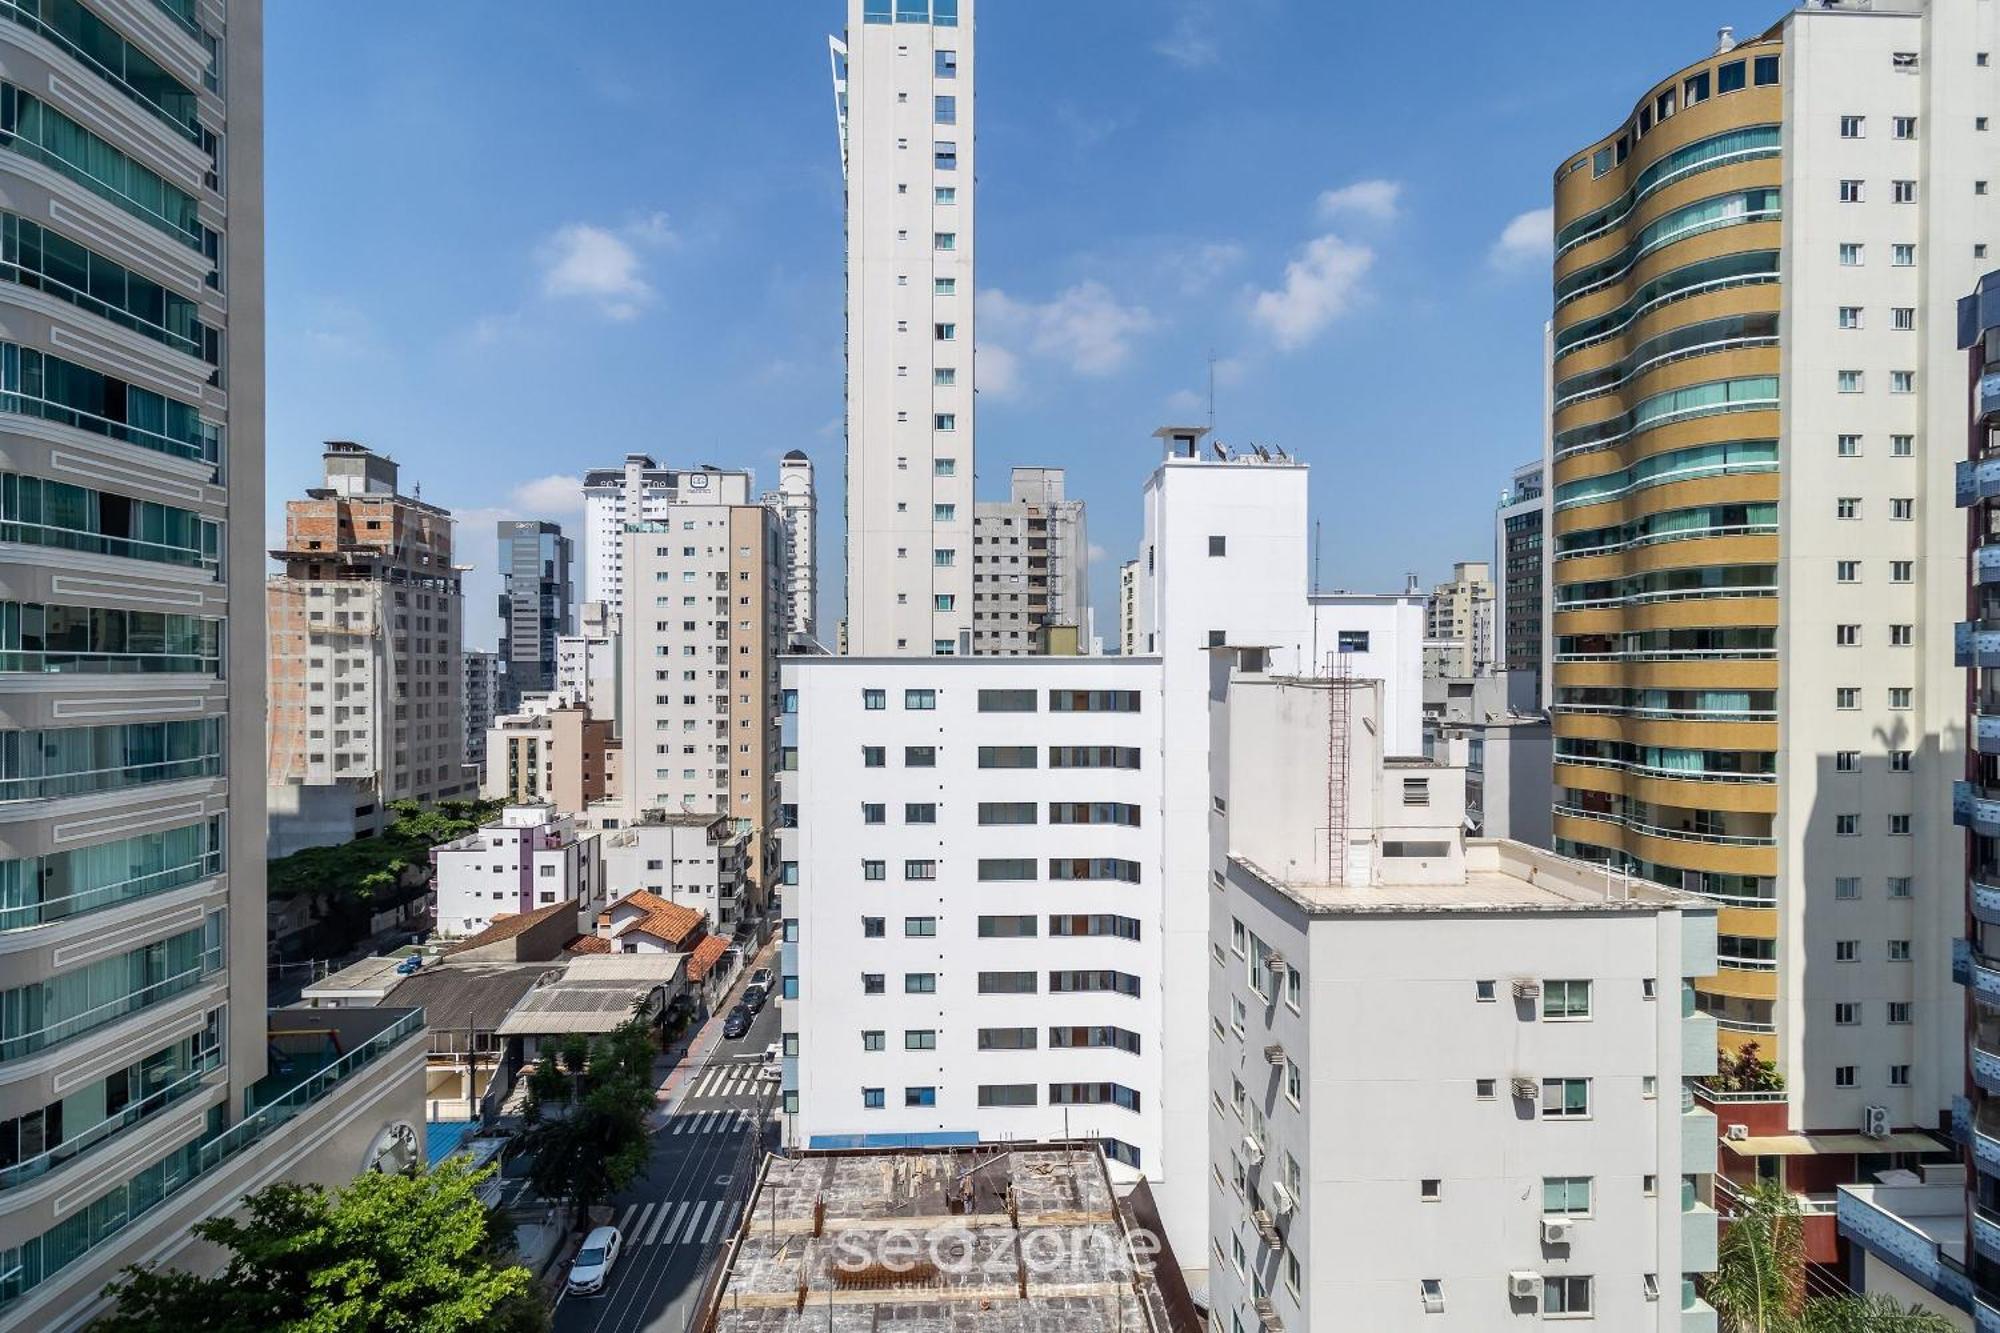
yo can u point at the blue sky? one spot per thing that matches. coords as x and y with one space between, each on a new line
508 242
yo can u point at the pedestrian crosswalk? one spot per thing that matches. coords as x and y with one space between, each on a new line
730 1080
695 1222
711 1122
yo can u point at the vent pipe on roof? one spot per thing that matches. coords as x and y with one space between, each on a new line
1725 40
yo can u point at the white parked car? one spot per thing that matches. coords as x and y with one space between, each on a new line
774 1065
592 1266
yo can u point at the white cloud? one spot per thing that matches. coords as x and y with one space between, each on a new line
1189 43
1094 552
1186 403
552 497
1376 200
1085 326
996 371
602 266
1320 286
1527 240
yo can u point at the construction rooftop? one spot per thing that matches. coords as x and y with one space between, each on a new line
992 1238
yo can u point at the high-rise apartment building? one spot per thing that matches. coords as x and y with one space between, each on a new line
903 90
702 629
1756 418
1460 622
367 672
535 598
588 662
135 1097
1521 622
1030 568
639 491
1128 612
797 505
485 683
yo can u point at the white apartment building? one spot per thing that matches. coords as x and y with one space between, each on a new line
962 962
588 662
797 505
694 860
1128 610
903 92
1374 636
1445 1075
1030 569
702 630
1460 622
533 857
640 491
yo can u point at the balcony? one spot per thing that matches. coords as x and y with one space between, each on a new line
1981 974
1976 643
1986 1233
1977 481
1915 1229
1698 1136
1985 565
1698 1231
1986 900
1981 1138
1698 1049
1971 810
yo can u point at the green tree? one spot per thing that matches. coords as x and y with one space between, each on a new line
414 1253
587 1107
1759 1282
1746 1071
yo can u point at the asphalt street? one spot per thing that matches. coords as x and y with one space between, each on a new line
677 1214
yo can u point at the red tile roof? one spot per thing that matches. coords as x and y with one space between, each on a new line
665 921
507 927
705 956
588 944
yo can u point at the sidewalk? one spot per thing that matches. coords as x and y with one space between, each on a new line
683 1063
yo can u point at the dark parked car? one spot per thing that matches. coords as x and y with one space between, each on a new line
761 977
737 1023
754 997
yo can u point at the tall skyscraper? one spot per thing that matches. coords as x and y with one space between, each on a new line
903 90
1030 569
797 507
367 670
535 600
135 1097
1517 555
1757 410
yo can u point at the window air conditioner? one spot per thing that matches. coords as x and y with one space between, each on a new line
1875 1122
1527 988
1736 1133
1524 1286
1555 1230
1526 1087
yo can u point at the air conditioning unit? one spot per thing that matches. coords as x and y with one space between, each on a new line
1527 988
1736 1133
1555 1230
1267 1228
1267 1315
1253 1147
1875 1121
1281 1198
1274 1054
1524 1286
1526 1087
1274 960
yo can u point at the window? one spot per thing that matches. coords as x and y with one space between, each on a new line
1352 641
920 700
919 927
874 812
944 157
1899 760
920 756
1482 1088
1843 1076
871 1040
1906 127
872 757
919 983
1846 951
1566 1196
945 240
1561 1293
1694 89
1848 446
920 1096
943 421
1482 991
1902 508
1430 1189
1765 71
919 870
1899 1013
1007 701
1899 696
1899 951
919 1039
1218 545
1847 571
1565 999
1847 1014
1006 1094
1850 381
1565 1098
1846 636
1850 317
1847 506
871 983
1902 571
945 333
1899 1076
1431 1289
1847 886
1729 77
1904 192
1902 381
1903 318
1007 983
1006 1039
1847 826
944 110
1853 127
945 64
1851 254
1006 868
871 1099
871 927
1850 192
1007 756
920 812
1008 812
1903 256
